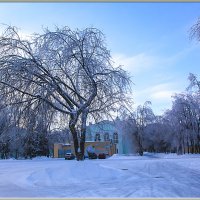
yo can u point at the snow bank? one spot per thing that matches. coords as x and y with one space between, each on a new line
148 155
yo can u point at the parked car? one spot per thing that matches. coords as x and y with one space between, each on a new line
69 156
102 156
92 155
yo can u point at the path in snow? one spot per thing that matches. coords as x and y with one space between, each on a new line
119 176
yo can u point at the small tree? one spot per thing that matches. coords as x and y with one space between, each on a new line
143 116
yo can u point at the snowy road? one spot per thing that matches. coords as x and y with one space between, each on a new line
120 176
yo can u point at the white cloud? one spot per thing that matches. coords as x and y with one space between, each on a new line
162 94
153 76
143 62
151 82
164 90
136 63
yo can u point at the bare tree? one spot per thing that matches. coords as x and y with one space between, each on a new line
143 116
195 30
71 71
194 83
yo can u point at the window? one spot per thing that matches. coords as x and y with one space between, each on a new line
89 136
97 137
106 137
115 138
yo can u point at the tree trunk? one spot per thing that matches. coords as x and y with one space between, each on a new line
79 146
72 128
83 132
139 141
75 140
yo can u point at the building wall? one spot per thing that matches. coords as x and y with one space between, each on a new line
61 149
100 147
57 146
105 127
101 128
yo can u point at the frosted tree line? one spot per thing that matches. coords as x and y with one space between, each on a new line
176 131
27 133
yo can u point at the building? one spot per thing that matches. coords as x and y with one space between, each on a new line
99 147
105 136
103 131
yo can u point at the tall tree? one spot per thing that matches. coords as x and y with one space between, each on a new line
71 71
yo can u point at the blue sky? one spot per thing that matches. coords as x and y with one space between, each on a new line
150 40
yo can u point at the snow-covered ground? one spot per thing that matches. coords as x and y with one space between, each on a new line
153 175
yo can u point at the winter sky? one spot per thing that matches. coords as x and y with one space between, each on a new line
150 40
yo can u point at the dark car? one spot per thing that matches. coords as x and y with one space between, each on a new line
92 155
102 156
69 156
